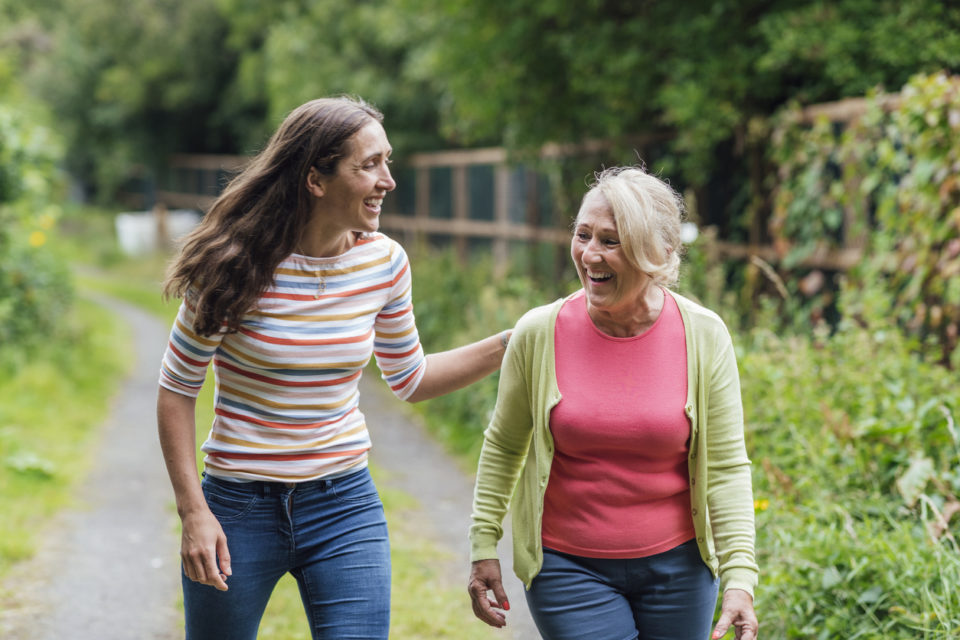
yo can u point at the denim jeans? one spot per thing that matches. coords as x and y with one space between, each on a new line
330 534
668 596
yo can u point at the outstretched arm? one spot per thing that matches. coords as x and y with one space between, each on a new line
457 368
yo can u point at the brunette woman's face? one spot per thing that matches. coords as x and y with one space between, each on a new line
350 199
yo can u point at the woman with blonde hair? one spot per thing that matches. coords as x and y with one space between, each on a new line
617 440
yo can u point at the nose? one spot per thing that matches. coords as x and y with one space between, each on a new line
591 252
387 183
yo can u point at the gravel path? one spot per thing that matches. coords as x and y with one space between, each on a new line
108 567
418 466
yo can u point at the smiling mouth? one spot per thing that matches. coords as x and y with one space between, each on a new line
597 276
373 203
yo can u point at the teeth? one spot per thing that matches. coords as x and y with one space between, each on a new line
373 202
599 275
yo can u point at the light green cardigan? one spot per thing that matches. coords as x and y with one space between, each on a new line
518 448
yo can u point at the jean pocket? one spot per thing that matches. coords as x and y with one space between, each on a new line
358 488
228 504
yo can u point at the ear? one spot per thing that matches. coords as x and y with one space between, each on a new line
315 183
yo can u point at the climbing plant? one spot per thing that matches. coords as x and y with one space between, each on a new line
888 182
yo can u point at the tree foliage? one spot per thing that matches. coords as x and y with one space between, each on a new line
528 72
291 51
133 81
136 80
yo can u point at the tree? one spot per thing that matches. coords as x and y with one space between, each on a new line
531 71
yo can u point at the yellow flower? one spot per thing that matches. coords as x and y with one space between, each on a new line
38 239
761 504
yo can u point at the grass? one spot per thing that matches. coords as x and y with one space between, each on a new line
49 413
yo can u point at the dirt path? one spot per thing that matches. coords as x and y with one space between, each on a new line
418 466
107 569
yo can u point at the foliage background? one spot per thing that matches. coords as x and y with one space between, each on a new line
848 377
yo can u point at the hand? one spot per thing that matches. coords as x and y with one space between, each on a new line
202 543
737 609
485 576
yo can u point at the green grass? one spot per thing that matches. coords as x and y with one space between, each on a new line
50 409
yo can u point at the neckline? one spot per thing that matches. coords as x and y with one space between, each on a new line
361 239
582 301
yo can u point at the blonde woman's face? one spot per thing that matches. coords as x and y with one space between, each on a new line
610 282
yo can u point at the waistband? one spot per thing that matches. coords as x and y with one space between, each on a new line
267 487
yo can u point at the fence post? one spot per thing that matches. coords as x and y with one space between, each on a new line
461 208
501 217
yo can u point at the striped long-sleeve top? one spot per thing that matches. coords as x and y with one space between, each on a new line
286 405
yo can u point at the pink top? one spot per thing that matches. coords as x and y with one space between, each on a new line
618 484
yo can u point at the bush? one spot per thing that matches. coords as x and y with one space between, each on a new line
35 292
455 304
856 457
35 296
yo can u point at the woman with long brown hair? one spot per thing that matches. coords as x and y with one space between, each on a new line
288 290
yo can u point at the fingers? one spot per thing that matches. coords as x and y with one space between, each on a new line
201 566
203 543
746 630
485 610
722 625
737 610
223 554
485 577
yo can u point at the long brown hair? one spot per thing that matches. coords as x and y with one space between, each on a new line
229 259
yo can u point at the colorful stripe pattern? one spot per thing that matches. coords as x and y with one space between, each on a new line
286 383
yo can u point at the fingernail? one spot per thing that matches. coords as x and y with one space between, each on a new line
506 606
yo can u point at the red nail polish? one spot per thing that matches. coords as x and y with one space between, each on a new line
506 606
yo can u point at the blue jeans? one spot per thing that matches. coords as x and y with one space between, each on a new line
330 534
668 596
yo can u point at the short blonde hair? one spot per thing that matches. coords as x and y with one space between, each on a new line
648 213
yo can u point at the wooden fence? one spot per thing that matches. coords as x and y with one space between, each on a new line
466 197
478 198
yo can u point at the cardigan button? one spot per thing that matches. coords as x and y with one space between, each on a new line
694 512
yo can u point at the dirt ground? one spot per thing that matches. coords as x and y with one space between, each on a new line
108 567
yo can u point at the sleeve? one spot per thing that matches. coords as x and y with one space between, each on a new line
730 493
506 443
185 361
397 344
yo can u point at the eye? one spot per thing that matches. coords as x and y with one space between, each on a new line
582 236
611 242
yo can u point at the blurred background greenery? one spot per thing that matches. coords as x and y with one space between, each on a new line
849 369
